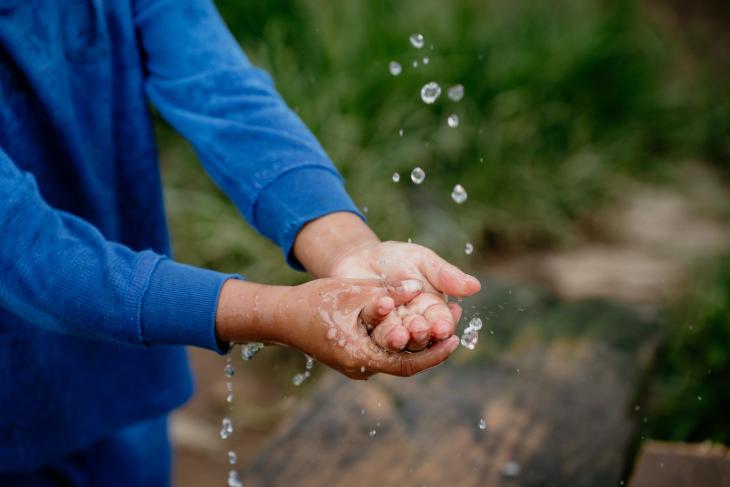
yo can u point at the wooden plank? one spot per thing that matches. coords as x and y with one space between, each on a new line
553 381
682 465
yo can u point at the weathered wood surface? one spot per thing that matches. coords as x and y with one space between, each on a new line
682 465
555 384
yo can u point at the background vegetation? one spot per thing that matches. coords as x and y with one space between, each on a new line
565 101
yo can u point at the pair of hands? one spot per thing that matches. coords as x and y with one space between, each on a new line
373 300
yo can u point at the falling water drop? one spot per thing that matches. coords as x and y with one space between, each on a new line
511 469
415 63
453 120
232 457
249 350
299 379
226 428
396 177
234 480
417 40
395 68
418 175
459 194
468 248
456 92
309 362
430 92
425 60
470 338
372 433
482 424
400 133
229 370
475 323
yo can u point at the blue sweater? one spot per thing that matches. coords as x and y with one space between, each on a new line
92 312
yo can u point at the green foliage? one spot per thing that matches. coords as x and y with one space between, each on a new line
691 396
563 100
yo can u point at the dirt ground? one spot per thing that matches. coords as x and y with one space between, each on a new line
647 247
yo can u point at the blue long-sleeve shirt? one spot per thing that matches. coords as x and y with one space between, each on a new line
90 306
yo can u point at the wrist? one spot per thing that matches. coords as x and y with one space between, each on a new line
247 312
324 242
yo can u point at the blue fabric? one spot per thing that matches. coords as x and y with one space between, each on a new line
92 309
138 456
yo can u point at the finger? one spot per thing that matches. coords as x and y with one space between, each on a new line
377 309
456 311
391 334
420 332
406 364
441 321
404 291
447 278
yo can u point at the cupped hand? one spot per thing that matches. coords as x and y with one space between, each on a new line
325 318
399 261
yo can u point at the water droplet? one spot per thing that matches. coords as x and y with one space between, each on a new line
299 379
362 411
229 397
475 323
229 386
395 68
511 469
417 40
430 92
232 457
470 338
309 362
229 370
415 63
482 424
396 177
234 480
458 194
372 433
425 60
453 120
249 350
226 428
456 92
365 209
468 248
400 133
418 175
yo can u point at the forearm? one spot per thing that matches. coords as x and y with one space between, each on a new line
247 312
323 241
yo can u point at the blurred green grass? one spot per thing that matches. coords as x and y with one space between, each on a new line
564 100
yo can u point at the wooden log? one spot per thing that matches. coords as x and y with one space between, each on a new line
554 383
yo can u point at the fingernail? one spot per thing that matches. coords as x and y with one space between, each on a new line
441 329
410 286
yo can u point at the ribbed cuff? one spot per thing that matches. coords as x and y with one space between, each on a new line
296 198
180 304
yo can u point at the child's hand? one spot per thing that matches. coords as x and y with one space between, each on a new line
403 261
325 318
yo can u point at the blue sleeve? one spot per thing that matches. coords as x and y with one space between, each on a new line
255 148
58 272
